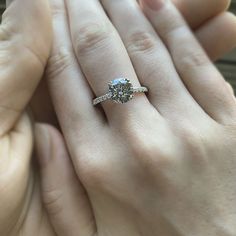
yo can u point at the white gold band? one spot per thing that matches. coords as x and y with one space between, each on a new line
108 96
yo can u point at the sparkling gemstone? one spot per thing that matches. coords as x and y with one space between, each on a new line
121 90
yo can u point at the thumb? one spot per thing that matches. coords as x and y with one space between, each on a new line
25 42
64 198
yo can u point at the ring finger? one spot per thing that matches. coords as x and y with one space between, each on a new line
101 53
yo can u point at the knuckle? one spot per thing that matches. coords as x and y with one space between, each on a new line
143 148
92 172
53 201
149 152
59 62
140 42
152 154
91 36
188 135
192 59
94 175
195 144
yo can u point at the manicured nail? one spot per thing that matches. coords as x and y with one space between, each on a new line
154 4
42 143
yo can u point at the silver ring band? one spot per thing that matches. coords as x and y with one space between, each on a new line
120 91
108 96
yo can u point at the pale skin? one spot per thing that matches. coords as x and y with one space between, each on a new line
163 164
207 18
139 171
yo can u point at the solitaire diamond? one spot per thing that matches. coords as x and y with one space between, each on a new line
121 90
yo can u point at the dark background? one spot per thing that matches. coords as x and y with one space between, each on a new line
227 65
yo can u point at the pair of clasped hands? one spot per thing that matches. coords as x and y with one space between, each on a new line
163 164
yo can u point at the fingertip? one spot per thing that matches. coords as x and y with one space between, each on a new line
197 12
218 36
224 5
230 20
153 4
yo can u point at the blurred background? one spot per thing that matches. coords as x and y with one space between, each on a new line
227 65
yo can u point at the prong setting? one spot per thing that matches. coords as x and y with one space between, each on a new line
121 90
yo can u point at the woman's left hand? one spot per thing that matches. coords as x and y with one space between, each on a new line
162 164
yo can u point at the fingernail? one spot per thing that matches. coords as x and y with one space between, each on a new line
154 4
42 144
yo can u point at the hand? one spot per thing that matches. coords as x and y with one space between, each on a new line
206 17
25 42
162 164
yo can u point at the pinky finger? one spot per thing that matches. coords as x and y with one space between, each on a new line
203 81
64 198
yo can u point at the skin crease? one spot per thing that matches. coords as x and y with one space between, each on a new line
21 207
159 165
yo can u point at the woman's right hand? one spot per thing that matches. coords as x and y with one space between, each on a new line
25 43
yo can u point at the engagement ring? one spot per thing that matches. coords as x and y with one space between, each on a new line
120 91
